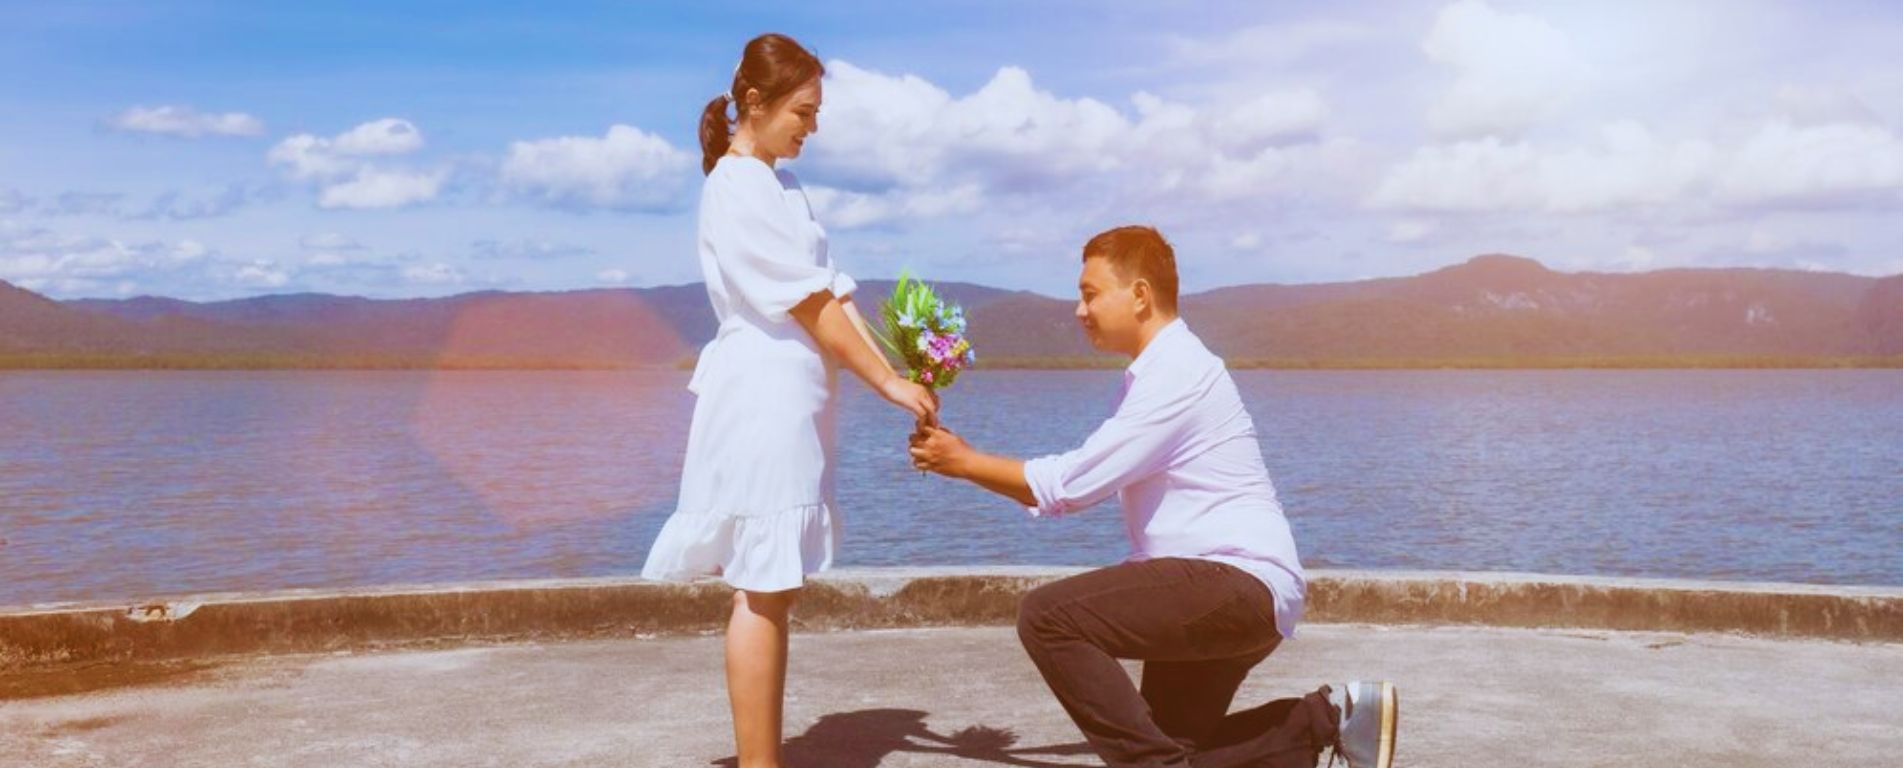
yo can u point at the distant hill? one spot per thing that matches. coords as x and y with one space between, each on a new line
1506 306
1492 309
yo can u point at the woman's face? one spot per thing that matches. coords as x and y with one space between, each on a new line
780 128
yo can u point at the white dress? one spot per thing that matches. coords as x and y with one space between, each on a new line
756 503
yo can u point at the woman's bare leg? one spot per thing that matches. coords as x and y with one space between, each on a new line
756 673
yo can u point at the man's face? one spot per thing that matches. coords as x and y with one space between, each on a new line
1107 307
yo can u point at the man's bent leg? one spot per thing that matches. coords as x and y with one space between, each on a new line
1286 733
1188 699
1170 610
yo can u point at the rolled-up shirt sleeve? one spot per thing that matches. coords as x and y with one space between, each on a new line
1141 438
761 251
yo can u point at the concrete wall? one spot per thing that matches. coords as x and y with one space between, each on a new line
46 637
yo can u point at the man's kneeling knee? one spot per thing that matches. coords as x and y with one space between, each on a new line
1037 613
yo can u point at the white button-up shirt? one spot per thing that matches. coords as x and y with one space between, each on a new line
1181 454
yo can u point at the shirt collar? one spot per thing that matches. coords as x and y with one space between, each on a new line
1165 337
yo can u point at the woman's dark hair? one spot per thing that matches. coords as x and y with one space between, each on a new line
772 64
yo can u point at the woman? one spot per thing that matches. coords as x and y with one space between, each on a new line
756 504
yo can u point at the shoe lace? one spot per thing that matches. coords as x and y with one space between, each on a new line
1334 742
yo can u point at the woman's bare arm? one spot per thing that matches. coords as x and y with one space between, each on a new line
823 316
865 331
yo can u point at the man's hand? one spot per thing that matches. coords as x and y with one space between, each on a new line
937 449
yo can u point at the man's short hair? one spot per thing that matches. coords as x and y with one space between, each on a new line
1139 252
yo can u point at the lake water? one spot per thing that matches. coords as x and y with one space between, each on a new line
135 484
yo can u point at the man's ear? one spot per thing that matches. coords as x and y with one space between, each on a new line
1145 297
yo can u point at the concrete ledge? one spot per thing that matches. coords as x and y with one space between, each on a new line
44 637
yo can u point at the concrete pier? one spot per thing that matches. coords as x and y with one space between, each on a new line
204 626
916 668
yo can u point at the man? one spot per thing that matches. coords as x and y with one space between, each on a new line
1212 585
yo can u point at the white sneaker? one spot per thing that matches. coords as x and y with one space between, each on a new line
1369 715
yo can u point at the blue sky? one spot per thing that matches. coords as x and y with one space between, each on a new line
217 150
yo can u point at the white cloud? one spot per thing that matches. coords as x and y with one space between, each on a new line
333 254
85 204
345 179
625 168
1317 170
897 148
329 241
881 131
80 262
388 136
373 188
176 206
339 259
1824 105
526 249
1510 70
1245 135
1411 231
1265 45
309 157
1638 258
436 273
1269 119
612 276
1815 165
851 210
1787 248
189 250
261 274
185 122
1628 165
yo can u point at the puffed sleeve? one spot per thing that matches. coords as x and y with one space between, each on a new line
843 284
759 244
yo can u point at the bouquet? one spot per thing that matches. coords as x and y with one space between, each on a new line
927 333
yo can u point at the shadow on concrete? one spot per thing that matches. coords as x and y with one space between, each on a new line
98 675
864 738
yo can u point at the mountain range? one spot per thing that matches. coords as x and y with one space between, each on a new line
1489 310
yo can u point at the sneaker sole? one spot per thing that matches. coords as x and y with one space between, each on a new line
1390 721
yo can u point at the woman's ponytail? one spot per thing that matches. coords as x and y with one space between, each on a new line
716 132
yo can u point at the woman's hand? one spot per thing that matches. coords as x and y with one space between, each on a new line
921 401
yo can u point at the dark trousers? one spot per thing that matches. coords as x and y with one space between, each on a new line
1199 627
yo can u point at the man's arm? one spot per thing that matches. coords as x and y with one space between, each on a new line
1134 442
1001 475
941 450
